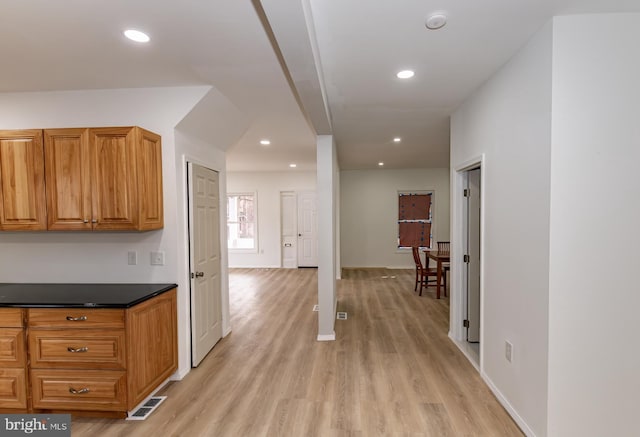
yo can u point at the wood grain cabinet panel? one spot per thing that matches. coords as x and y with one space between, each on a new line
153 345
13 388
92 390
12 347
68 179
75 318
104 349
104 179
22 189
150 180
13 361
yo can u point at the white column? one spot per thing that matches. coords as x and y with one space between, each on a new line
327 171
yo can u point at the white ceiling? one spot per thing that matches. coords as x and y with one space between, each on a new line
253 52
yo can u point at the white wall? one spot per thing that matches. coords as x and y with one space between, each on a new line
594 358
508 120
268 186
94 256
369 213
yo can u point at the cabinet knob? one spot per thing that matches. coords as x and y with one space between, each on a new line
94 221
77 319
85 221
76 350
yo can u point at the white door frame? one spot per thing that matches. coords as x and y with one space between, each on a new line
458 299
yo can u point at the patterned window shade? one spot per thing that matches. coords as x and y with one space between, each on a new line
414 220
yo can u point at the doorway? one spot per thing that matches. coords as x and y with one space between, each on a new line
307 229
204 261
298 229
466 303
472 195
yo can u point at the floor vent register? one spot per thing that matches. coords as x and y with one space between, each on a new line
147 408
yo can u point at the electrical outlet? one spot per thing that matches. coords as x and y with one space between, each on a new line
508 351
157 258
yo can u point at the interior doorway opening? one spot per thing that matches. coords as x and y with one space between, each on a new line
298 229
467 187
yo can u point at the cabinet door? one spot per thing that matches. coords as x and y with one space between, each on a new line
67 174
149 153
152 345
114 194
22 201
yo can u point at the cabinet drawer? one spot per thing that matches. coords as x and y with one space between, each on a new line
11 317
92 390
76 318
12 353
13 388
83 348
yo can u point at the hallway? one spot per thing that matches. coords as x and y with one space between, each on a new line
391 372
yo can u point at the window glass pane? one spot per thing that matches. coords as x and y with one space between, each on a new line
241 217
414 219
414 206
414 234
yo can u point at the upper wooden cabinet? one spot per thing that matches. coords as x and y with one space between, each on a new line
103 179
22 192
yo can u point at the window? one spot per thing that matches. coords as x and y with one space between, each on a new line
241 221
414 219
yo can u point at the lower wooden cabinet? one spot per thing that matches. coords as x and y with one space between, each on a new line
13 360
93 360
13 388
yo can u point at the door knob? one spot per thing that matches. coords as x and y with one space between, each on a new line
199 275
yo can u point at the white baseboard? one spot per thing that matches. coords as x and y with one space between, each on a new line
327 337
227 331
180 374
497 393
465 352
507 406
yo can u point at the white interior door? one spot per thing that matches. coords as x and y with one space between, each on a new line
289 229
204 230
473 250
307 230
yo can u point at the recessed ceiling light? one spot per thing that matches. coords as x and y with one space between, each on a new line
397 139
136 35
292 165
381 164
265 142
436 21
405 74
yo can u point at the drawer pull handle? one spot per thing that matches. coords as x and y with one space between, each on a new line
78 392
80 349
77 319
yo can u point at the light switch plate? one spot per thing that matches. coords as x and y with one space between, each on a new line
157 258
132 257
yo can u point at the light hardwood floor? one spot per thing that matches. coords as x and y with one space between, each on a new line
391 372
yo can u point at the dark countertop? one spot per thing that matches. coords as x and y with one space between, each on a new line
78 295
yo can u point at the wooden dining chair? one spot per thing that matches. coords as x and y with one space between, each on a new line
423 273
445 247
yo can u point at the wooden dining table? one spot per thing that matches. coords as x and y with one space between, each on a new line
439 257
